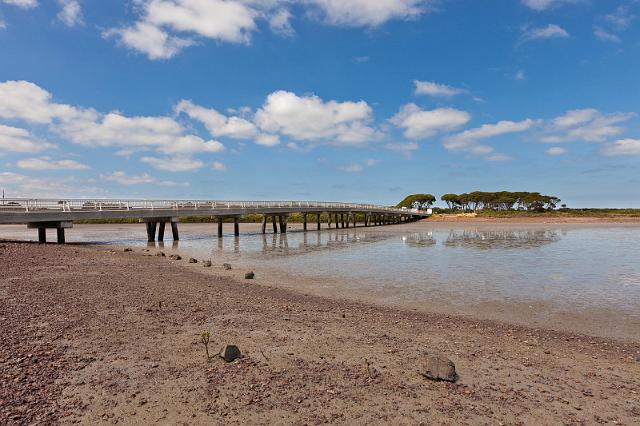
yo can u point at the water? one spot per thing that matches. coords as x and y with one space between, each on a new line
585 276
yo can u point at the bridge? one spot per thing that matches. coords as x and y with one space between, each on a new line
43 214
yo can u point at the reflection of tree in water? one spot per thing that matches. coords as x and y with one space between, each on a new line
312 242
419 240
518 239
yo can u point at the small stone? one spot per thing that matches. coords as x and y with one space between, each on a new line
128 249
439 367
192 260
226 266
230 353
206 263
175 257
249 276
160 254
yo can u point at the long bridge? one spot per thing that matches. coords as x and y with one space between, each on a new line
59 214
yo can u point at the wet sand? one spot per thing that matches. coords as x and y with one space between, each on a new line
97 335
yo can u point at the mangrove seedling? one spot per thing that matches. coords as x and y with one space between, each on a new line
205 341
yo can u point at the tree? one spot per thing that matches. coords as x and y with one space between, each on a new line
452 200
417 201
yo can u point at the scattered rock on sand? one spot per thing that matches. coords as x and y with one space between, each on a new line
175 257
206 263
249 276
230 353
439 367
160 254
192 260
226 266
128 249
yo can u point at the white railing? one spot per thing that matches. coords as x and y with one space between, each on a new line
69 205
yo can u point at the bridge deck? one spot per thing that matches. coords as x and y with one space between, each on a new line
17 211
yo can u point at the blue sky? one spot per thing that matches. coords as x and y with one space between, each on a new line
349 100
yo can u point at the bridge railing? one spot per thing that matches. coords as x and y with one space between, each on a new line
30 205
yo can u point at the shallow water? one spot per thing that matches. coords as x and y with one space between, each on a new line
539 273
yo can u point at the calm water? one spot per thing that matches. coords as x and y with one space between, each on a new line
575 269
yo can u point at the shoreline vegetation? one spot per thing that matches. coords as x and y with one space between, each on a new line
95 335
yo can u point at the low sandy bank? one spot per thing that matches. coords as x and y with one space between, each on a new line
534 219
97 335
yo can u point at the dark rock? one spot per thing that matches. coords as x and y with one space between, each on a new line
160 254
439 367
175 257
206 263
226 266
192 260
128 249
230 353
249 276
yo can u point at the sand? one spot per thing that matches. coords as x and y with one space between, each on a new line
95 335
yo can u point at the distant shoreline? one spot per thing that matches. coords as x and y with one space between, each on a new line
539 218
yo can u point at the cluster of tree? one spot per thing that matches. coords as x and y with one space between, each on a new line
503 200
417 201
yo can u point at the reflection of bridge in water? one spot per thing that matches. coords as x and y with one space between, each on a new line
60 214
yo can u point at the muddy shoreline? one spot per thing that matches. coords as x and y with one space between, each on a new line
94 335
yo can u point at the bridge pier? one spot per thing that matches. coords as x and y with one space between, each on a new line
42 227
283 219
220 221
157 225
304 222
264 224
318 220
236 226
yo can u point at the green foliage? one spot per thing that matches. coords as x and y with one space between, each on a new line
417 201
500 201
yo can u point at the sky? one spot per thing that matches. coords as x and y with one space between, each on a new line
333 100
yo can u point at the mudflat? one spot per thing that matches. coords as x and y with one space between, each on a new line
97 335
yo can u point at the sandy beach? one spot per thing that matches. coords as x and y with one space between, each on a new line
96 335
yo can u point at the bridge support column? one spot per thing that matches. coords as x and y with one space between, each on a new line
283 223
264 224
151 231
220 220
275 225
355 219
161 226
304 221
43 226
318 220
366 219
236 226
174 230
348 215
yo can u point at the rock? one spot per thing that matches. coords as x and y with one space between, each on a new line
206 263
249 276
192 260
226 266
160 254
128 249
439 367
230 353
175 257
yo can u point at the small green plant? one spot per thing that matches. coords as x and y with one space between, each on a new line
205 341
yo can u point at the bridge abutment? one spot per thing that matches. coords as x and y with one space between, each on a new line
42 227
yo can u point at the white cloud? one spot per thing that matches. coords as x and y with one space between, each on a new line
431 88
420 124
467 141
358 167
603 35
498 157
71 13
3 24
405 149
150 40
280 23
367 12
26 101
14 139
520 76
556 150
173 164
25 4
620 19
309 118
551 31
589 125
622 147
22 186
265 139
216 123
218 166
122 178
46 163
540 5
